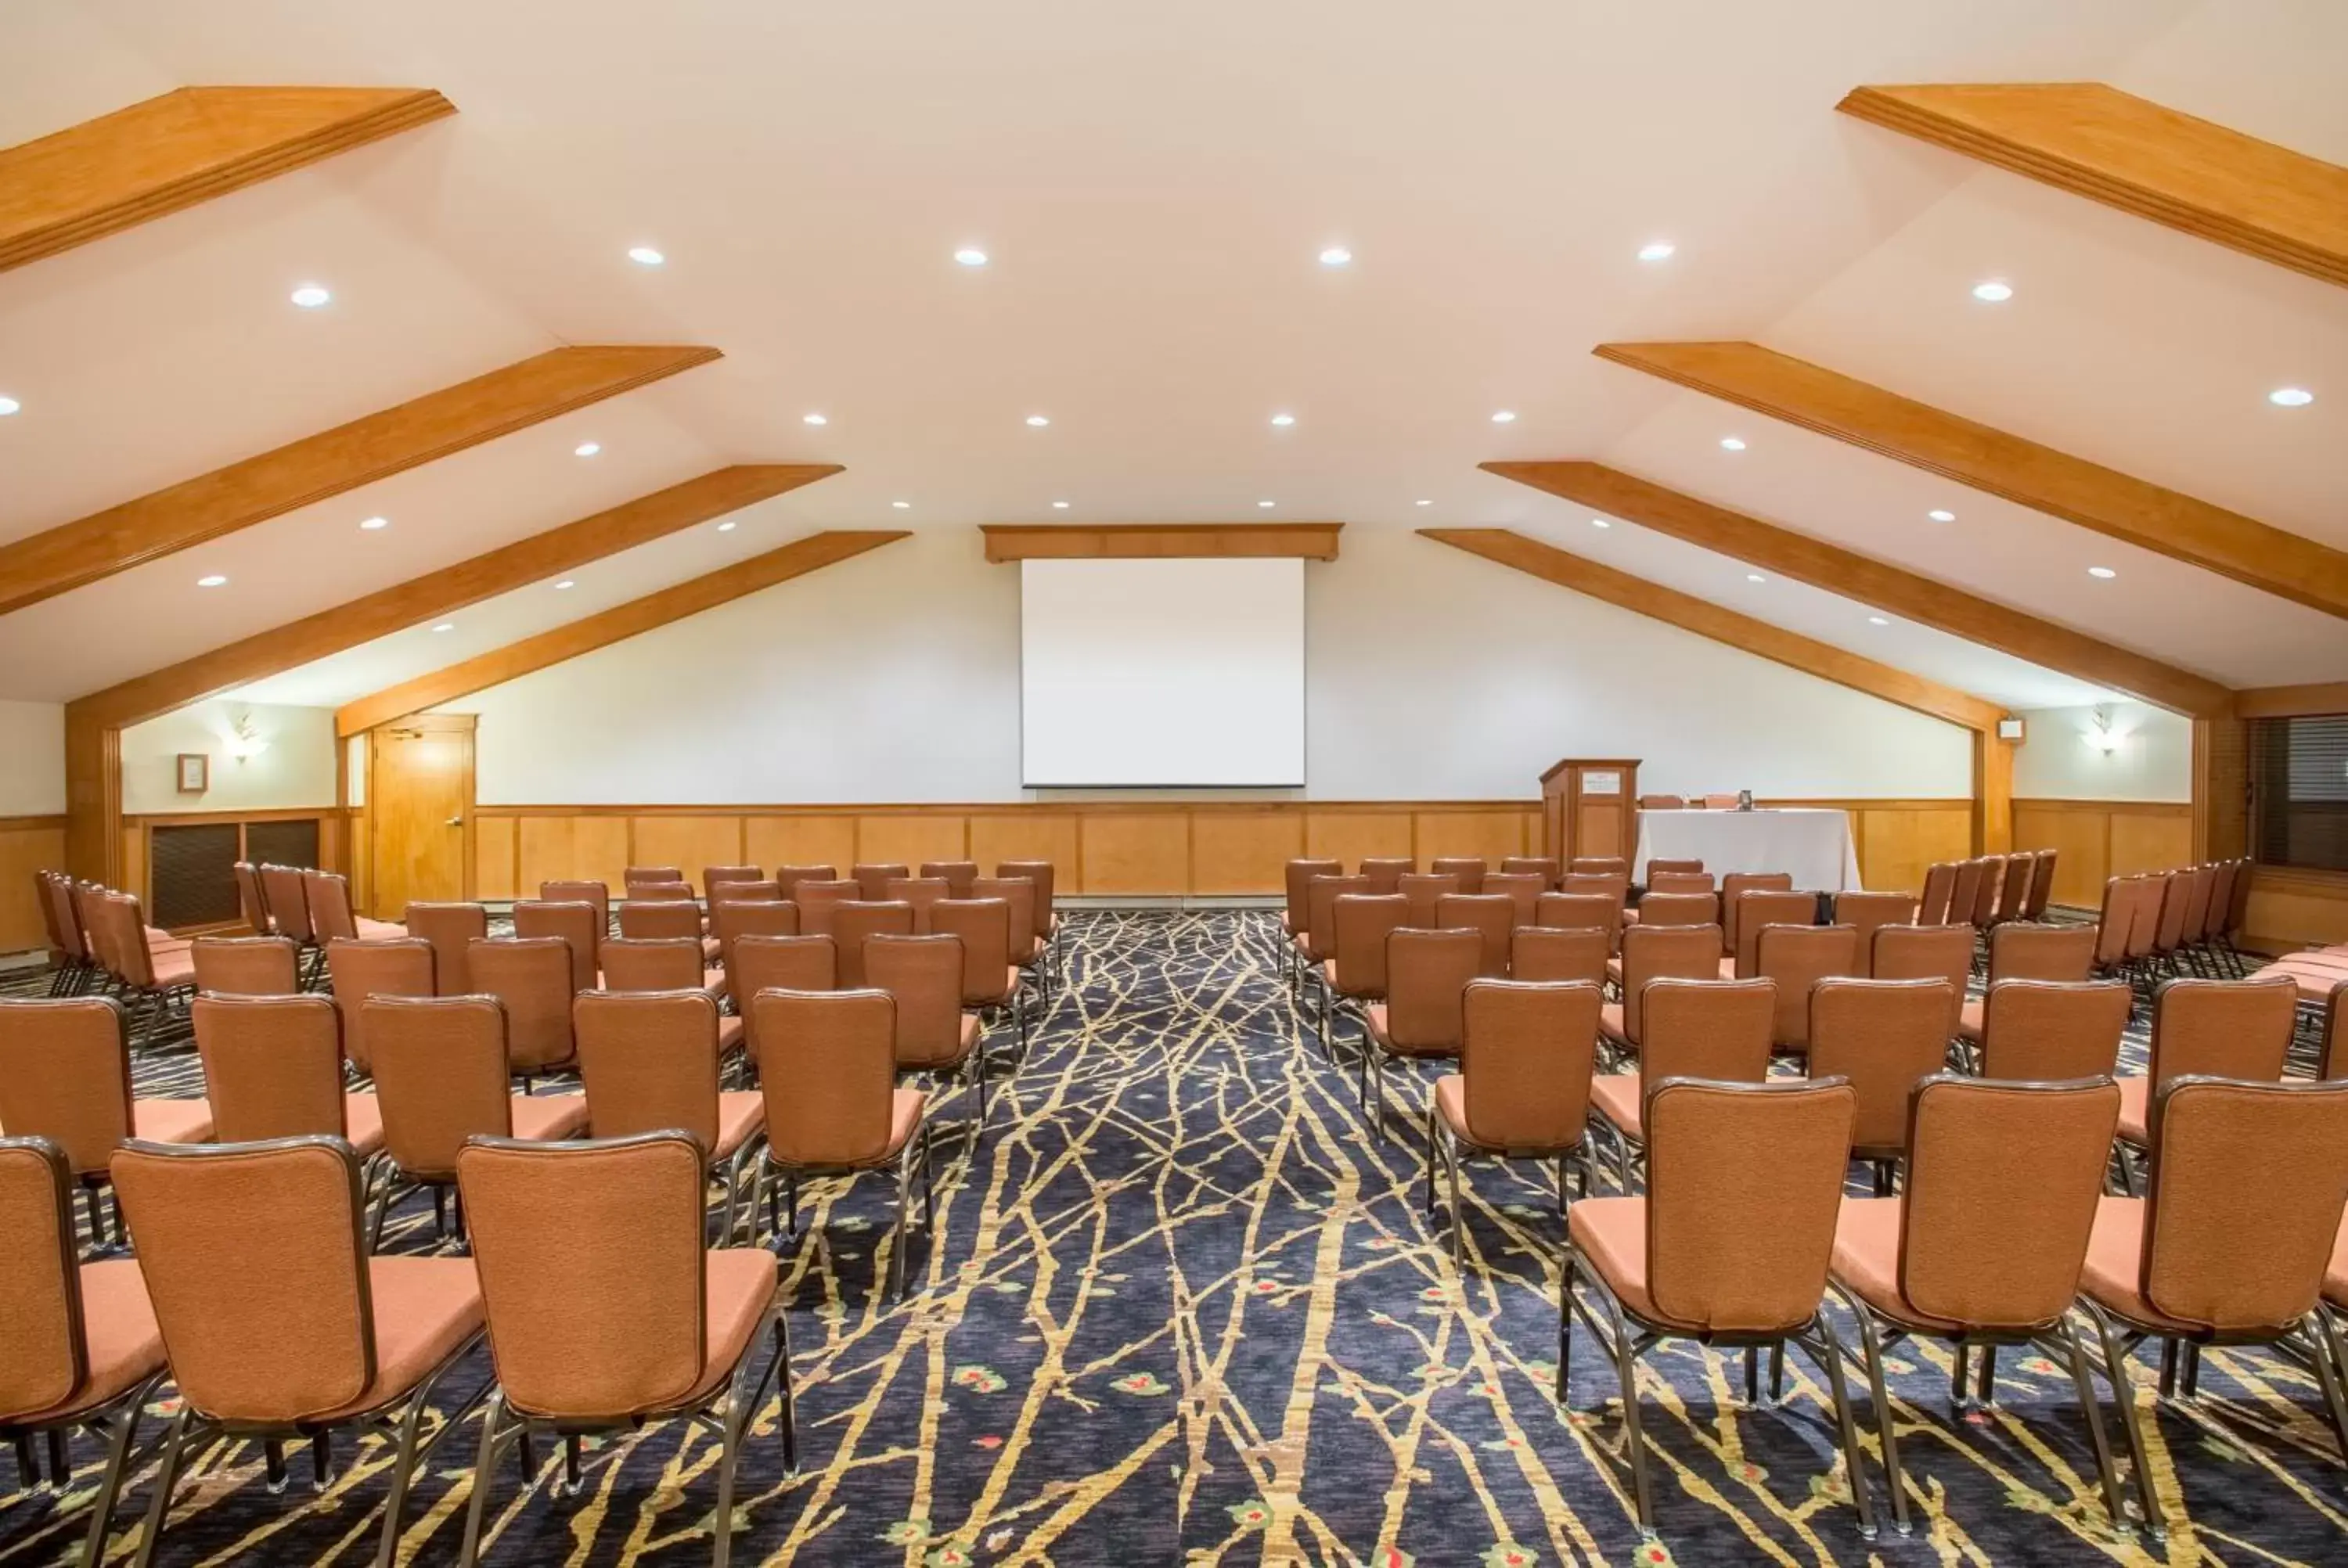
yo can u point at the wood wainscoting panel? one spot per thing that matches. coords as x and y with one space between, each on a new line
496 856
547 850
997 836
1493 832
800 838
687 842
1134 852
1243 851
2292 908
1897 845
908 838
27 844
2098 839
2151 838
1351 835
601 851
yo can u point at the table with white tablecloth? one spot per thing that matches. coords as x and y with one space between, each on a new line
1813 842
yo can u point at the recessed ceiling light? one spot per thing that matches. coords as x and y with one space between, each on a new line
645 256
8 405
1996 293
1754 576
900 506
1941 515
1038 420
1422 503
310 296
1336 256
446 626
1505 416
1263 503
1660 250
214 580
813 419
1732 444
969 256
1876 621
1059 505
728 526
2102 572
586 448
1599 523
371 524
1283 419
2281 397
566 582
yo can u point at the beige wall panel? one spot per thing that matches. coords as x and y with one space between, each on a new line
1243 851
912 837
2293 908
495 846
1349 835
687 842
601 851
816 839
25 849
1135 853
995 838
547 850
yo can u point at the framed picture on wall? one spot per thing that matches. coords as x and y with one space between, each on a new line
195 772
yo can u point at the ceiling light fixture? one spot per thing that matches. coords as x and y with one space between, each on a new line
2281 397
901 506
1599 523
310 296
1336 256
1876 621
1995 293
586 448
566 582
1037 421
1059 505
1263 503
2105 572
1941 515
446 626
1732 444
1422 503
1505 416
215 580
1660 250
645 256
371 524
813 419
8 405
1284 420
969 256
1754 576
728 526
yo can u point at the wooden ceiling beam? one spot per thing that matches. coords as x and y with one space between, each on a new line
801 556
2315 699
1923 600
2022 471
1159 541
442 592
187 146
2096 141
1705 618
72 555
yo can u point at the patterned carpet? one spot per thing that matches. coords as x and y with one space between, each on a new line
1182 1309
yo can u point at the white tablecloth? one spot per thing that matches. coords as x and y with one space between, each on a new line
1811 842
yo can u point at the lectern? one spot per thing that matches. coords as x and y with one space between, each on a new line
1589 807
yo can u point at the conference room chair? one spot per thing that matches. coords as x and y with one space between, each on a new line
1313 945
1925 952
1867 913
1545 867
1663 803
633 1318
658 964
274 1069
1419 890
664 919
788 877
2237 909
1600 865
533 979
579 891
2113 921
1678 867
157 981
450 929
2168 932
1964 891
2041 886
1527 1052
1986 894
1730 1246
833 1106
65 1075
957 874
1356 973
1428 972
1024 898
245 965
817 899
71 969
2238 1029
782 961
2050 1030
252 905
1754 911
1687 1027
2027 952
1796 958
2331 1041
921 892
82 1352
1295 919
402 967
1491 916
2014 896
1546 954
443 1073
1681 882
1385 871
872 877
676 891
934 1036
989 985
1940 892
1883 1038
1581 912
728 923
745 890
715 877
2230 1244
2144 930
1651 953
1733 886
652 1060
328 896
1670 912
852 920
578 927
288 896
1469 869
1721 801
277 1323
632 877
1985 1245
2201 915
1524 889
1045 902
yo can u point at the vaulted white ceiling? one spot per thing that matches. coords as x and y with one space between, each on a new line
1153 186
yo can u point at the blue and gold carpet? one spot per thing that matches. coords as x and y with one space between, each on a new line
1182 1309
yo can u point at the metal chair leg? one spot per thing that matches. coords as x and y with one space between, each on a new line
118 1457
403 1471
1459 1212
485 1460
2084 1381
2115 1371
1833 1359
1870 1343
158 1505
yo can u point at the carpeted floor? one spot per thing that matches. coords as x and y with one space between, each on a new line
1181 1309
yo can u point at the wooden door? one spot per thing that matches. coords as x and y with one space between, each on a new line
420 804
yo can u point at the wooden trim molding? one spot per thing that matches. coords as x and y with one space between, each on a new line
1919 599
2096 141
2071 488
318 467
2322 697
1510 548
1157 541
187 145
801 556
438 593
30 824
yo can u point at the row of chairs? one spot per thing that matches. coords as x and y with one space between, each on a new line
2164 923
1717 802
1989 889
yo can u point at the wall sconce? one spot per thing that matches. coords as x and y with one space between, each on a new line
2101 736
243 742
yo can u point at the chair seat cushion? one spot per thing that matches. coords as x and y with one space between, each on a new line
172 1121
713 982
738 1287
1610 1023
1614 970
1617 1097
741 1113
363 1123
711 951
377 931
1728 969
1611 1234
731 1032
905 1108
174 966
1969 1018
2136 1111
1867 1261
425 1308
1451 1104
2335 1273
549 1117
125 1346
1381 1035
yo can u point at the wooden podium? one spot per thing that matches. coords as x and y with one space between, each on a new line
1590 807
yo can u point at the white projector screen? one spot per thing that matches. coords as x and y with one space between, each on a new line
1161 672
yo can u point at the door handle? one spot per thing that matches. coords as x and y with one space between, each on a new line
455 822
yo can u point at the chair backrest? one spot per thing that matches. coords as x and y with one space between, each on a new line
1298 876
816 901
1681 882
246 966
957 874
450 928
441 1076
1986 897
2238 906
579 891
2244 1203
1491 916
1674 952
2201 882
2331 1059
1663 803
1542 954
1797 958
1386 870
2115 921
1744 1184
2002 1182
677 891
1320 895
1545 867
1964 893
1527 1051
715 877
635 876
1940 887
1665 909
1925 952
1611 884
1752 910
788 877
648 1060
1883 1037
985 926
611 1319
123 927
2020 950
1706 1028
2176 895
1427 973
736 919
289 902
1581 912
531 976
40 1280
872 876
2221 894
924 974
250 904
653 920
390 967
1419 890
1362 923
1042 874
2222 1029
329 895
577 925
1677 866
1867 913
651 964
1019 893
1467 870
757 962
2041 885
86 914
827 1064
65 1075
852 920
2151 902
1522 888
1599 866
2050 1030
272 1066
920 892
2014 898
749 889
64 917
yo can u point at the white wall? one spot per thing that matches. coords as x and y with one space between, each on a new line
295 769
1431 675
2152 762
32 759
